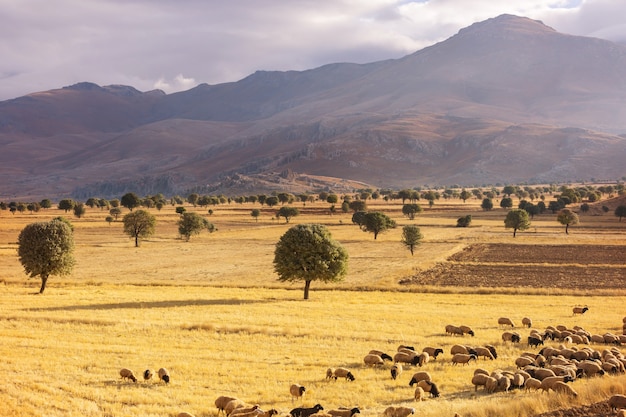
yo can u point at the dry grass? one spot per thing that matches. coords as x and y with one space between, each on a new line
212 312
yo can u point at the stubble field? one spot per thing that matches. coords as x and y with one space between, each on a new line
212 311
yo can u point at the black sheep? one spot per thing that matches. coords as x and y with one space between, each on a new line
534 341
305 412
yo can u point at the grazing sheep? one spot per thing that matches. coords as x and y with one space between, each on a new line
420 376
147 374
590 368
232 405
547 383
396 370
580 310
484 352
453 330
513 337
479 380
518 380
221 401
381 354
401 347
296 391
617 401
373 360
467 330
541 373
343 373
344 413
563 388
402 357
305 412
504 383
126 373
505 321
461 349
491 384
433 352
419 394
532 383
429 386
534 341
463 358
423 358
164 375
493 351
246 411
330 373
392 411
527 322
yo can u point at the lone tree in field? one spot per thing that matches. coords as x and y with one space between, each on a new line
192 224
517 219
411 237
255 213
287 212
46 248
567 217
620 212
307 252
139 224
377 222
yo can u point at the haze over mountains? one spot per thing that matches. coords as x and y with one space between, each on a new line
506 100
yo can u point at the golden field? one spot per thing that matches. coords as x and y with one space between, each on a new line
212 311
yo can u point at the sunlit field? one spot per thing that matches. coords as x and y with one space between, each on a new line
212 311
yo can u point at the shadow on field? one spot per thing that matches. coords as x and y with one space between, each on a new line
150 304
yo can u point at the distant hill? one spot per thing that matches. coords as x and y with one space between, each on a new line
506 100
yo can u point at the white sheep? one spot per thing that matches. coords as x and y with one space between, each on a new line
423 358
463 358
126 373
396 370
511 337
296 391
164 375
403 357
373 360
505 321
344 412
479 379
392 411
221 401
532 383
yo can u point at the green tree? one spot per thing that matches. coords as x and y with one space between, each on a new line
357 205
180 210
115 212
46 248
193 199
410 210
584 208
271 201
332 198
506 202
139 224
465 195
307 252
45 203
92 202
509 190
255 213
464 221
287 212
377 222
487 204
567 217
130 201
517 219
66 204
79 210
411 237
109 219
620 212
192 224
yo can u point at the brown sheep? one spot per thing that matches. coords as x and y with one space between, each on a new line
511 337
532 383
344 412
454 330
398 411
580 310
523 361
617 401
527 322
126 373
590 368
467 330
433 352
402 357
484 352
479 380
246 411
221 401
343 373
164 375
372 360
419 394
296 391
395 371
505 321
429 386
563 388
491 384
458 349
232 405
547 384
420 376
463 358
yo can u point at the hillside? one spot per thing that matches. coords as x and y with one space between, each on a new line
507 100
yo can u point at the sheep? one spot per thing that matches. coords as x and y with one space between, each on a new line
467 330
164 375
433 352
491 384
563 388
221 401
330 373
547 384
518 380
343 373
232 405
527 322
402 357
392 411
420 376
126 373
484 352
423 358
373 360
305 412
453 330
617 401
344 412
580 310
534 341
396 370
382 354
429 386
523 361
463 358
504 383
532 383
147 374
493 351
511 337
246 411
505 321
419 394
590 368
459 349
479 380
296 391
541 373
596 338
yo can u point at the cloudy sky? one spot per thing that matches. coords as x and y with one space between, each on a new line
174 45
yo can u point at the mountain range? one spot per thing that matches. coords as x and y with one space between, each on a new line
505 100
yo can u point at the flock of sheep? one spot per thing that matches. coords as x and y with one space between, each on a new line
163 374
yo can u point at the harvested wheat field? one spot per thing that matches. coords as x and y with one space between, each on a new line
212 312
